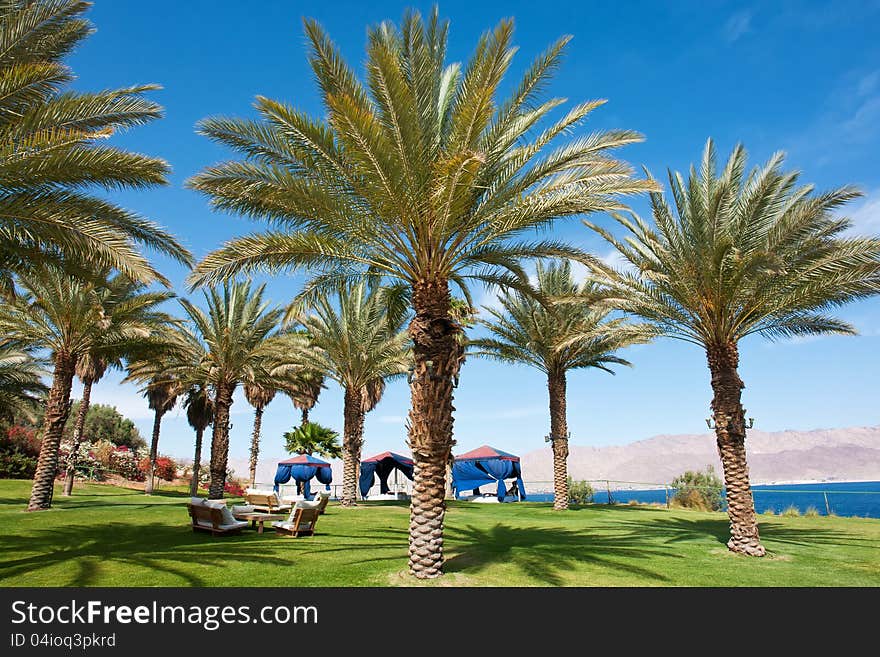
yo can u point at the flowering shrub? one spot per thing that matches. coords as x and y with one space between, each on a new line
124 462
233 488
21 439
87 466
166 468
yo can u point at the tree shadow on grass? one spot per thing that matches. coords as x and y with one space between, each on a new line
543 553
154 547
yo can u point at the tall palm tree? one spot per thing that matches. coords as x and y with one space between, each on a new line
239 332
555 339
200 415
742 254
259 396
64 316
161 393
52 151
131 309
21 387
358 337
421 176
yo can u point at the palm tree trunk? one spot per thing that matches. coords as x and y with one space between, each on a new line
437 356
305 417
220 440
255 443
352 442
730 432
154 451
558 439
197 460
77 438
57 411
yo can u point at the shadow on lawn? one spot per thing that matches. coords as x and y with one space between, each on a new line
544 553
155 546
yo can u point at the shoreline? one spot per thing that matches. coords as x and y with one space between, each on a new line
795 482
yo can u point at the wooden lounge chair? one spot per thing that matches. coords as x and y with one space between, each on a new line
211 518
323 498
265 502
302 522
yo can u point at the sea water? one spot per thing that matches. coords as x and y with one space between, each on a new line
857 498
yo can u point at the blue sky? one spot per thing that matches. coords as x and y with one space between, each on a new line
803 77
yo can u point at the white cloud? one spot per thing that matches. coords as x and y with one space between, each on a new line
868 83
738 25
127 400
866 215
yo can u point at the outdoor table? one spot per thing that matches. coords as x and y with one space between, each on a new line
257 519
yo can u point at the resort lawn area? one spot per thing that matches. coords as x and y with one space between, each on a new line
109 536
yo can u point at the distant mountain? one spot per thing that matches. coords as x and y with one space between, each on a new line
818 455
779 456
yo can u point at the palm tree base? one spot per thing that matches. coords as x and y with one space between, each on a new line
747 545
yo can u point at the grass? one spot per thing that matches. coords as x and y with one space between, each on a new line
107 536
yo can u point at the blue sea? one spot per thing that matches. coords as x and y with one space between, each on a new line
860 499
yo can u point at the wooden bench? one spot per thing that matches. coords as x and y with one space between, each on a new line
210 519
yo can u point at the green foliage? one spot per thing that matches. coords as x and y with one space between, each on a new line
791 512
17 465
699 490
313 438
53 153
105 423
743 253
580 492
811 512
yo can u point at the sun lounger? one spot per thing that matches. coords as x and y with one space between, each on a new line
301 522
213 516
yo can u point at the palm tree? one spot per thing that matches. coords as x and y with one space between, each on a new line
200 415
239 333
357 337
566 336
313 438
21 387
161 394
421 176
258 396
132 311
64 316
743 254
304 388
51 152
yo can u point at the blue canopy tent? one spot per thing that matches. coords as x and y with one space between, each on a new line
302 469
383 465
486 465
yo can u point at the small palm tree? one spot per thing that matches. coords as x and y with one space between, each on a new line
569 335
52 150
313 438
258 396
240 336
423 176
357 337
21 387
743 254
200 414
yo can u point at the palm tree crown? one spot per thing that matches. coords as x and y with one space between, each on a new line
51 151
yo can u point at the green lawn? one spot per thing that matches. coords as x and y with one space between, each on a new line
105 536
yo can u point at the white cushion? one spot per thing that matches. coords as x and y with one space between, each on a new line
305 504
197 501
243 508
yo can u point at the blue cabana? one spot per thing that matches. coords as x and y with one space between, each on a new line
383 465
486 465
302 469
